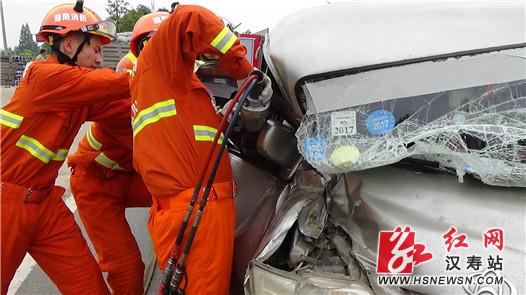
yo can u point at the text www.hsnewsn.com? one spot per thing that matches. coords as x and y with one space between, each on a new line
438 280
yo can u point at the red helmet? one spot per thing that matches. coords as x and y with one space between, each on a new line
65 18
147 24
126 63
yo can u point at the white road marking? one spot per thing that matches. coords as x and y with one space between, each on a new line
29 263
21 274
70 202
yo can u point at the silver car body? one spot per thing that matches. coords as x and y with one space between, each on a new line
354 35
347 55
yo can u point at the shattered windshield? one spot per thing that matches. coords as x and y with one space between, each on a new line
466 114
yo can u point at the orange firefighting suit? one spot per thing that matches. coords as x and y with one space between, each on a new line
104 184
38 126
174 126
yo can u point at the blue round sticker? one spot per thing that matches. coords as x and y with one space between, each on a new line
314 147
380 122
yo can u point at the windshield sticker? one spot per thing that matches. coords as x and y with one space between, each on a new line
380 122
314 147
345 156
343 123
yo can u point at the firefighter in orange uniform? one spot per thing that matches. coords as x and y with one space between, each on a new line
173 127
38 125
126 63
104 184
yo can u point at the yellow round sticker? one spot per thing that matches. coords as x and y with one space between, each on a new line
345 156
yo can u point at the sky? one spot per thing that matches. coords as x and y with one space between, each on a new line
252 14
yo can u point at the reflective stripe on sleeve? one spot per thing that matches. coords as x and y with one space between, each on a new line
60 155
10 120
206 133
93 142
153 114
107 162
35 148
224 40
131 57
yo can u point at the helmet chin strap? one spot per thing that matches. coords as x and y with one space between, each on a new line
63 58
141 44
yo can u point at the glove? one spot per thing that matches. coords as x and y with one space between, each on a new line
262 91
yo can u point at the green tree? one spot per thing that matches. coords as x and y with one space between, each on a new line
26 53
26 43
127 21
9 52
116 9
46 47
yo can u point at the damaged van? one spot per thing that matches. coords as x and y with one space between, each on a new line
398 137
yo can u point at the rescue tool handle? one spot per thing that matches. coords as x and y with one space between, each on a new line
260 85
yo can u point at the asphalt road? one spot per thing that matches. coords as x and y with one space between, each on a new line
30 279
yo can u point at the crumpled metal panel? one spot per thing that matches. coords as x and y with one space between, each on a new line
484 136
311 220
306 186
381 199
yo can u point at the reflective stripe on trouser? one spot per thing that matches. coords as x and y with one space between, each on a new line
93 142
49 233
103 160
206 133
10 119
210 260
101 204
39 151
224 40
153 114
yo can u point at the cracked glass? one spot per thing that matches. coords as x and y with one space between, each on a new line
463 114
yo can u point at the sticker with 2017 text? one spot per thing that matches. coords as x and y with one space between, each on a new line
343 123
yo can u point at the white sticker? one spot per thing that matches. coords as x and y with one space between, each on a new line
343 123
